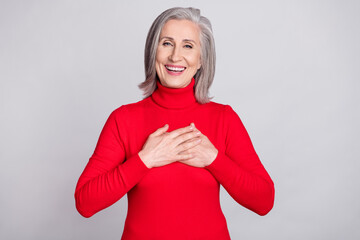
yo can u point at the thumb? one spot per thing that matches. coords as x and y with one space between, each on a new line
161 130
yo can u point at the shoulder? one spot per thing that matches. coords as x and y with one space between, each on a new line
225 109
126 115
228 115
131 108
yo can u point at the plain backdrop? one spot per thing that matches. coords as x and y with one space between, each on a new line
290 69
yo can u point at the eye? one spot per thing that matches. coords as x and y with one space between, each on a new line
167 44
188 46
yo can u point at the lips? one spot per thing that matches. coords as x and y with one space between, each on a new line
174 68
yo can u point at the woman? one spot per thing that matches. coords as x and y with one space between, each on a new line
171 151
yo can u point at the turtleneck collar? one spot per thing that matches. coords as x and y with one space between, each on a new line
175 98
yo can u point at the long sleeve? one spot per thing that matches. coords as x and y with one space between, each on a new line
108 176
239 169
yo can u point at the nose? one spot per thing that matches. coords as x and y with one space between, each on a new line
175 54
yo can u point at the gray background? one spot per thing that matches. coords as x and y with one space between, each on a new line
289 68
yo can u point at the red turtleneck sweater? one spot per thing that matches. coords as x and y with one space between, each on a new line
176 201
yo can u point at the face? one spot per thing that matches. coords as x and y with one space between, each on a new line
178 53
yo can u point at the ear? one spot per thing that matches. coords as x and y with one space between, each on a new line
199 65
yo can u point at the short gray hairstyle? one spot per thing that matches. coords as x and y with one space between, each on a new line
205 75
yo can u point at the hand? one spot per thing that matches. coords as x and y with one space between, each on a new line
162 148
203 154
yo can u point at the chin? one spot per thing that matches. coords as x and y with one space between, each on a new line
175 84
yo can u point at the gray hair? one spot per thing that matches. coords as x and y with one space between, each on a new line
205 75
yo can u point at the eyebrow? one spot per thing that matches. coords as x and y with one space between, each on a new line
184 40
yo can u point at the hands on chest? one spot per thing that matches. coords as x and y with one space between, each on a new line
186 145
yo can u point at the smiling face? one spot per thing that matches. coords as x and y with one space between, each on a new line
178 53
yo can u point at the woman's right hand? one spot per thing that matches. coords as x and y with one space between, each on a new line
162 148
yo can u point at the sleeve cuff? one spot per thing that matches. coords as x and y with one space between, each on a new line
222 167
219 162
134 169
212 166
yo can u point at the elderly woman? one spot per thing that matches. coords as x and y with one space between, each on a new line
171 151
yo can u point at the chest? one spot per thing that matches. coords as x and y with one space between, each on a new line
209 122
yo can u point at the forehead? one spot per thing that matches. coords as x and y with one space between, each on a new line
181 29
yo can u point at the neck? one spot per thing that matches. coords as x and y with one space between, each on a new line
174 98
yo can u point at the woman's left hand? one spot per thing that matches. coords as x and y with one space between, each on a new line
203 154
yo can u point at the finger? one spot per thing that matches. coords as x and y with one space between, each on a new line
181 131
195 128
184 157
186 137
188 145
161 130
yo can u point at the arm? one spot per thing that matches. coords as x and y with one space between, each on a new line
107 177
239 169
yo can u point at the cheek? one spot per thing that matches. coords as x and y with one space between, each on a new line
196 61
157 62
160 54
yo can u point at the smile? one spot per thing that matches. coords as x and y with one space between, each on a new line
177 69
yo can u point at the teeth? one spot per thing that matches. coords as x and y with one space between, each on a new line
175 69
